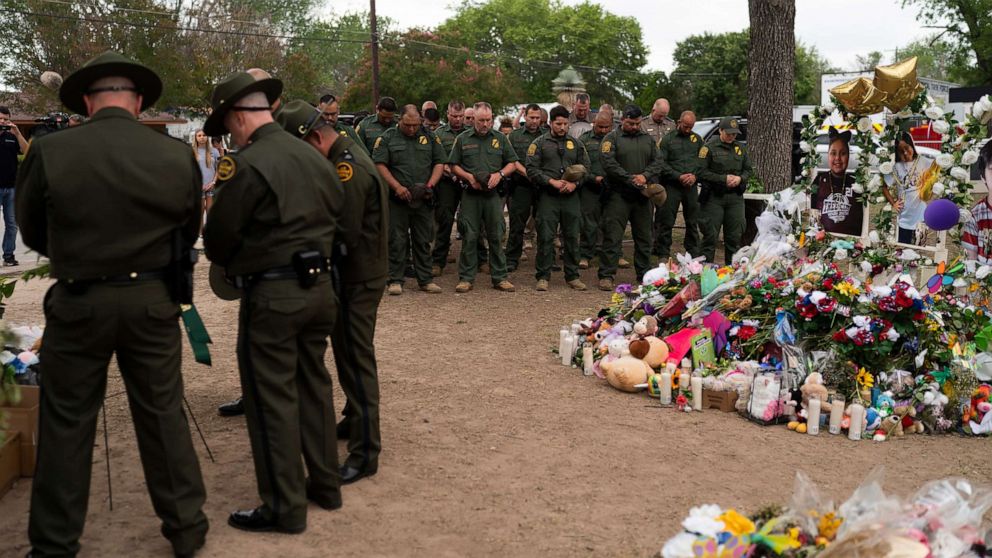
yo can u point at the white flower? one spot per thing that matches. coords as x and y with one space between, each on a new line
874 239
970 157
864 321
840 255
960 174
829 107
804 146
909 255
959 282
879 199
864 124
892 335
883 152
910 292
887 207
938 190
983 272
934 112
857 188
945 160
965 216
805 173
703 520
886 167
866 266
941 126
852 332
946 137
679 546
874 183
817 296
982 109
873 160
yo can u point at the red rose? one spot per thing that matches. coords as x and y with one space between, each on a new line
746 332
840 336
902 300
828 284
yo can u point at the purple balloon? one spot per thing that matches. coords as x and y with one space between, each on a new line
941 214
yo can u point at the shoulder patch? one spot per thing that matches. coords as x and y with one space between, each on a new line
344 132
703 152
226 168
378 140
693 138
495 143
422 140
532 149
437 139
345 171
569 145
606 146
737 150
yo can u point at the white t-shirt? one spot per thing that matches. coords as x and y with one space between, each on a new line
905 176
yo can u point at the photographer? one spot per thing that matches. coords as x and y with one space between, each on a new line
12 144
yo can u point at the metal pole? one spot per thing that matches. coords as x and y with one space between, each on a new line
375 52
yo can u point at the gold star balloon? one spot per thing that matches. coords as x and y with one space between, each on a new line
860 96
899 82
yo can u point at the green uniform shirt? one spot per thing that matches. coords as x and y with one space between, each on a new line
410 159
350 133
679 154
105 198
275 197
448 135
369 130
719 160
592 144
548 157
521 139
482 156
624 155
364 227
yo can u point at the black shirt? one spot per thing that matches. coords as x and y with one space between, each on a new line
9 150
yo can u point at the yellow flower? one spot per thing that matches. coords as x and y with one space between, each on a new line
736 524
617 298
847 289
865 379
952 340
829 524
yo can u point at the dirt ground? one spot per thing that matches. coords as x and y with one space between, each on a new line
491 447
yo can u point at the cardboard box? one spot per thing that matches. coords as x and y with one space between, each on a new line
23 417
722 400
10 461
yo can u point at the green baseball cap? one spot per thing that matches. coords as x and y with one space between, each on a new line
730 125
299 118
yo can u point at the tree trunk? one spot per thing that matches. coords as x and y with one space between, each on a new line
772 65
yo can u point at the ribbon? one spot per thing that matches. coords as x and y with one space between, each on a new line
197 334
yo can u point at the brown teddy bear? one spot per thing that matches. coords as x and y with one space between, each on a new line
907 416
891 427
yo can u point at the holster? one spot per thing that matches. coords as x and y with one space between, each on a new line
179 272
308 265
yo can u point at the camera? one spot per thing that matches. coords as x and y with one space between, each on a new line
4 128
53 122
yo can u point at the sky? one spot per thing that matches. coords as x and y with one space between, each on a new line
839 29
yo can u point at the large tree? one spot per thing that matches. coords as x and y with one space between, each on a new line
968 28
772 66
536 39
420 65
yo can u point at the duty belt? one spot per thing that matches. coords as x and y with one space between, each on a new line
133 277
281 273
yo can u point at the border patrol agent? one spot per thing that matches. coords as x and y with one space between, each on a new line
557 164
725 172
272 227
360 277
483 158
630 158
448 193
374 125
525 193
594 190
331 112
112 296
410 159
679 155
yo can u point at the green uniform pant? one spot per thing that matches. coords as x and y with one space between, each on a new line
353 341
726 212
481 212
282 341
665 216
523 205
448 195
410 229
138 323
592 214
553 211
616 214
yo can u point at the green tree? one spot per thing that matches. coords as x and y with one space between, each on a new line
810 66
656 85
419 65
969 31
537 38
938 59
868 62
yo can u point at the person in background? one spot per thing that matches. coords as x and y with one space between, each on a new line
658 124
505 126
905 180
207 157
679 153
12 144
374 125
724 172
524 193
432 119
218 144
976 238
578 122
593 191
330 111
469 117
840 211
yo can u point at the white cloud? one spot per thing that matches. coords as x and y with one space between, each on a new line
840 29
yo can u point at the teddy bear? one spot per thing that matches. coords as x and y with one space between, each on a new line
813 387
977 415
907 415
891 427
626 372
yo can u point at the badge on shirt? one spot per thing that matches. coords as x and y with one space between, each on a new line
226 168
606 146
737 149
378 140
495 143
703 152
531 149
569 145
437 139
423 140
345 171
